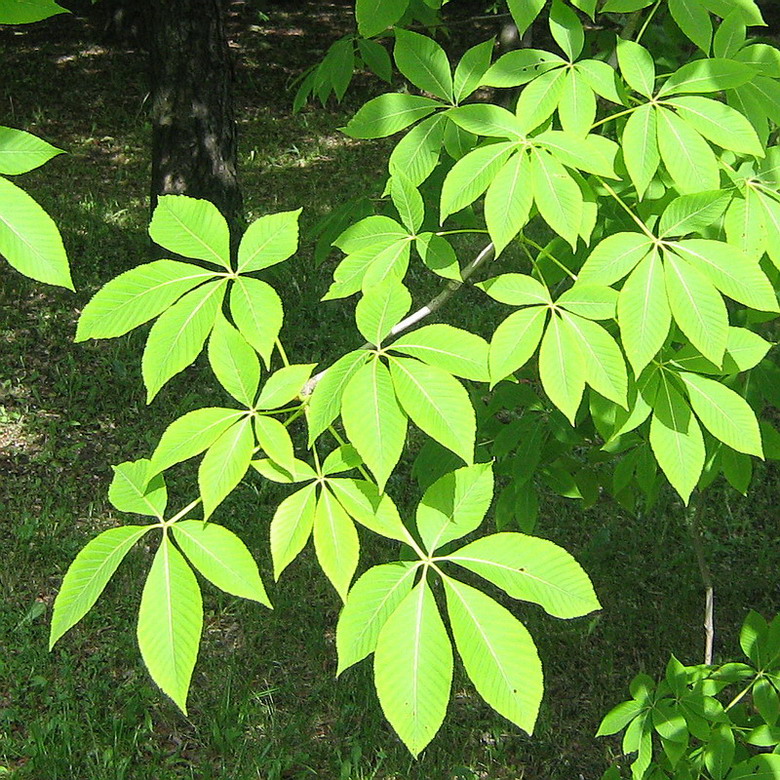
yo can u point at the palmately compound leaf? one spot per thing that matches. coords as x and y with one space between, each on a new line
87 576
190 435
676 439
170 621
643 312
137 296
234 362
135 489
413 668
423 62
177 337
437 403
191 227
498 652
221 557
531 569
29 239
224 464
371 601
457 351
562 366
724 413
336 542
20 152
325 400
374 420
380 309
268 241
258 314
515 341
291 527
454 505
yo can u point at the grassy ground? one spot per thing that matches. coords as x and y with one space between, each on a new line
264 702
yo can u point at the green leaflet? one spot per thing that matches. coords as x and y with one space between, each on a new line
745 225
498 653
590 153
88 575
390 263
268 241
191 227
688 158
601 78
577 107
643 312
487 119
363 502
566 29
676 440
291 527
531 569
562 367
605 369
640 147
692 213
454 505
375 16
539 99
516 290
457 351
222 558
29 11
284 385
407 201
373 419
417 153
190 435
708 75
637 67
274 439
524 12
380 309
592 301
29 239
371 601
413 669
376 58
257 312
508 201
387 114
519 67
438 255
472 175
515 341
336 542
137 296
437 404
472 67
21 152
719 123
376 231
343 458
614 257
423 62
224 464
730 36
233 362
170 621
177 337
557 196
325 402
135 489
731 271
697 307
694 21
724 413
300 471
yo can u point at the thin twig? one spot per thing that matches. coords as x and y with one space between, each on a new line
694 527
483 258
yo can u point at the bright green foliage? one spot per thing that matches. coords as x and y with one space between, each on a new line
27 11
633 217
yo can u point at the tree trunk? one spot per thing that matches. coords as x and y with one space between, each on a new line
193 125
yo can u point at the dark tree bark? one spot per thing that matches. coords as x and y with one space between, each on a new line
194 144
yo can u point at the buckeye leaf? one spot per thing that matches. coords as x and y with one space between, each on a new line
291 527
373 419
724 413
640 147
694 21
222 558
531 569
417 153
562 367
577 108
191 227
614 257
637 67
692 213
20 152
516 290
274 439
413 668
284 385
375 231
557 196
437 404
389 113
177 337
472 67
687 156
137 296
363 502
29 11
515 341
88 575
257 313
538 101
592 301
380 309
438 255
170 621
423 62
370 602
487 119
233 362
498 652
268 241
407 201
336 542
454 505
135 489
707 75
508 201
375 16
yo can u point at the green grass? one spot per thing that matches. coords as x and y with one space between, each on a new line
265 702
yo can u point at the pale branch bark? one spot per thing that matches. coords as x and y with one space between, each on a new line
694 527
483 258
